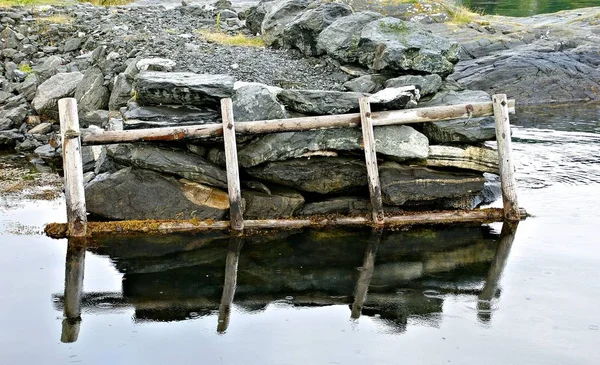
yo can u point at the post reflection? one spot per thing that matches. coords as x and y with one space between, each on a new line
74 268
404 274
366 273
229 284
492 281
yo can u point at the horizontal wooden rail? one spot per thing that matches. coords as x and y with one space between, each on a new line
59 230
396 117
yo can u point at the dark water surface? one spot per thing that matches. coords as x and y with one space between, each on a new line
526 7
463 295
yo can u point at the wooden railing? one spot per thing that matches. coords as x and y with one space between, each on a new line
500 108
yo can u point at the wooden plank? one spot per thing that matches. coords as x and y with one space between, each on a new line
233 169
73 167
74 269
229 285
58 230
396 117
507 176
366 273
371 160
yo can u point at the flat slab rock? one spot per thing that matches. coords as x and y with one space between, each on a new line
151 116
468 158
413 184
280 203
397 142
187 88
323 175
142 194
180 163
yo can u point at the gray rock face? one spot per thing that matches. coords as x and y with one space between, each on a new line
278 16
180 163
535 75
320 101
139 116
15 109
322 175
347 205
61 85
121 93
397 142
368 84
98 118
281 203
9 139
256 14
141 194
155 88
48 68
256 102
302 31
411 184
428 84
28 87
341 39
472 130
91 94
395 45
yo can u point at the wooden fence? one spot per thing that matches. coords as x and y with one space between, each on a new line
77 225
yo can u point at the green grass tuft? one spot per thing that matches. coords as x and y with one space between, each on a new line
231 40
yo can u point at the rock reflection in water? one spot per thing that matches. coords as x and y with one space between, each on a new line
390 275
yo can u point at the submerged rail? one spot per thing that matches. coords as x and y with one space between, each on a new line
77 225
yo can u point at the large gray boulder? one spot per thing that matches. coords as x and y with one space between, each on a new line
151 116
155 88
256 102
402 185
61 85
303 30
393 45
91 94
280 203
256 14
397 142
320 101
166 160
473 130
323 175
341 39
427 84
10 138
141 194
278 16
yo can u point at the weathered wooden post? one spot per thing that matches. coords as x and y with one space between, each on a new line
233 173
74 268
73 167
507 236
371 160
231 267
507 177
364 279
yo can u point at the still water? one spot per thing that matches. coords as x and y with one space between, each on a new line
526 7
466 295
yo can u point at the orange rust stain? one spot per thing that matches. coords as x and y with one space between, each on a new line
170 137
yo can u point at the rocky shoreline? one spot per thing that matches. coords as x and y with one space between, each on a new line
143 67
